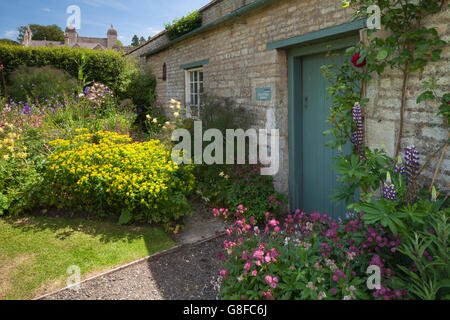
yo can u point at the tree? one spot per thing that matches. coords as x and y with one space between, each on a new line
119 43
141 40
135 41
39 32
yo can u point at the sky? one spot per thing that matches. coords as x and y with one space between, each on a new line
129 17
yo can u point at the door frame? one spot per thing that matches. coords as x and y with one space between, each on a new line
295 104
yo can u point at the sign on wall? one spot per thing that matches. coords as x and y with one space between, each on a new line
263 94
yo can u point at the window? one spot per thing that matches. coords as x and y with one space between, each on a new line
194 91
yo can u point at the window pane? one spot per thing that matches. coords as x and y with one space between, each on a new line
201 75
192 88
195 76
201 87
192 76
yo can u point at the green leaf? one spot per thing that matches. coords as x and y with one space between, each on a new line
382 54
125 217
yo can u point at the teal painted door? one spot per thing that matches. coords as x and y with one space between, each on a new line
318 177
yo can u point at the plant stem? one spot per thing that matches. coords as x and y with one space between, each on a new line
403 107
439 164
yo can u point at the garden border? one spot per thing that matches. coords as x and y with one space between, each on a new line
155 255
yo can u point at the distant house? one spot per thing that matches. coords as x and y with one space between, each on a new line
73 40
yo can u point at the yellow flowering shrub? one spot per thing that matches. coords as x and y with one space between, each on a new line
109 174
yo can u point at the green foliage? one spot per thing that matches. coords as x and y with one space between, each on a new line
431 95
184 25
135 41
428 251
18 183
43 82
105 67
39 32
142 90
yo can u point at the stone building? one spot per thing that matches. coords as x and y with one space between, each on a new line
73 40
266 55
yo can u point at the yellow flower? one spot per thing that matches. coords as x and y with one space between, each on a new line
176 114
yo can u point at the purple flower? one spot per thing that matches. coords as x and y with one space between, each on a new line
358 133
411 163
389 190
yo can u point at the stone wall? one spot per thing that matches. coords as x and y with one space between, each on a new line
239 62
422 127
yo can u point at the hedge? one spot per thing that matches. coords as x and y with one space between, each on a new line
101 66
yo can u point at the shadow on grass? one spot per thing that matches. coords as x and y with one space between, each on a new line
63 228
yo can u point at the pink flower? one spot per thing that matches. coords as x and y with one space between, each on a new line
254 273
247 266
223 272
268 279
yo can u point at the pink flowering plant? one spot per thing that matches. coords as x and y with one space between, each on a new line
242 185
308 257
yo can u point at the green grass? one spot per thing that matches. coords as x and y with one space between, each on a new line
35 252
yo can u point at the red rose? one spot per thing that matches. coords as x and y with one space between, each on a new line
355 59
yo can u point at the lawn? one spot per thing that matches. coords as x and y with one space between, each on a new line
35 252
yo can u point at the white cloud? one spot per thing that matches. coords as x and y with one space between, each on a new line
46 9
11 34
153 31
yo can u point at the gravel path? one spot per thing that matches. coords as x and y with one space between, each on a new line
184 274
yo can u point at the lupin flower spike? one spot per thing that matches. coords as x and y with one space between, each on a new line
389 190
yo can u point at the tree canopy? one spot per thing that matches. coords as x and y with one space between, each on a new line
39 32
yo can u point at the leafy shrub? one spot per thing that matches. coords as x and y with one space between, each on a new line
309 257
242 184
106 67
184 25
142 91
18 176
104 173
428 277
43 82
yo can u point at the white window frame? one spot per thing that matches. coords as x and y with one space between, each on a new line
199 84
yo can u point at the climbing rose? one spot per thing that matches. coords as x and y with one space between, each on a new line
355 59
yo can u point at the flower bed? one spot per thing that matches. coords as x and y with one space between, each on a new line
106 173
315 257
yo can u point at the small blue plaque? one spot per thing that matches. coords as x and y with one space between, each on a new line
263 94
